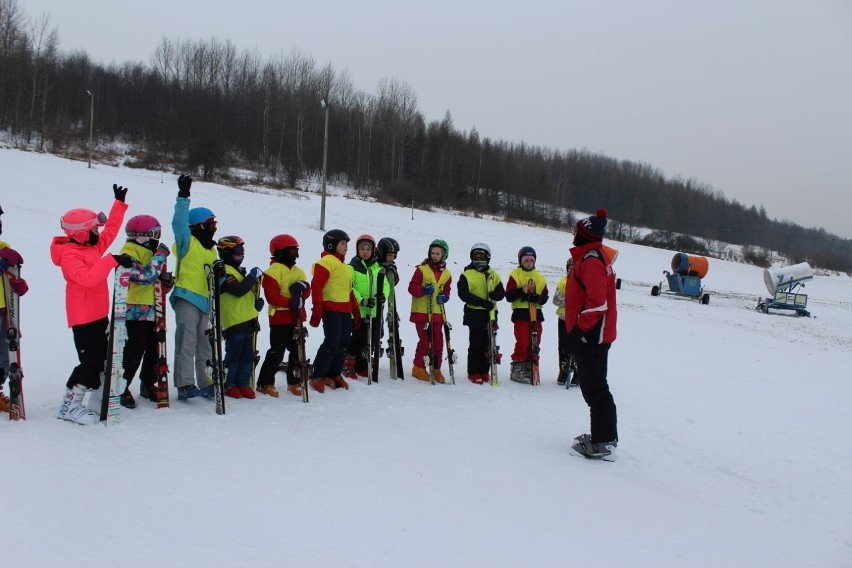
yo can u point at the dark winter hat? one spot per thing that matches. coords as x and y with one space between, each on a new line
593 228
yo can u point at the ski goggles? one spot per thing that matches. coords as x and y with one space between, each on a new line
153 233
479 255
87 225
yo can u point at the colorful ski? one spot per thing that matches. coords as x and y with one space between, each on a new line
17 411
114 383
162 365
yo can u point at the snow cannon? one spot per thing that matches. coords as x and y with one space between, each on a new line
782 283
685 278
690 265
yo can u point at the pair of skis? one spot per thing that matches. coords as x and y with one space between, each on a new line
17 411
395 350
429 358
534 347
216 366
493 348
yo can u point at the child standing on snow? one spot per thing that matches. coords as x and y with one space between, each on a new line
8 257
525 286
365 282
430 289
566 359
479 288
286 288
335 306
149 256
80 255
240 309
194 249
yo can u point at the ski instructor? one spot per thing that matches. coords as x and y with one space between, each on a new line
590 317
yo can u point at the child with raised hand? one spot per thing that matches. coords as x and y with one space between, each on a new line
525 285
85 267
286 288
194 249
479 288
240 308
430 288
9 257
334 306
148 254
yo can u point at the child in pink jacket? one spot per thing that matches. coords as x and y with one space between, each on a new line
80 255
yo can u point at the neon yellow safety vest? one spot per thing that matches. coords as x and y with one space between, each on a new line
285 277
421 305
139 294
190 272
476 284
236 309
339 285
521 277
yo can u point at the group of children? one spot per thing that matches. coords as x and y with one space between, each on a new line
346 299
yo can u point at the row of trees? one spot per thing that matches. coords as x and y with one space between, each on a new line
209 106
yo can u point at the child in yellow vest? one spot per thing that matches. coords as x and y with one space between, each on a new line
143 246
240 307
430 289
566 359
524 286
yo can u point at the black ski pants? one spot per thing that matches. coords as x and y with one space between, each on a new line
478 357
90 340
592 370
141 347
281 339
337 327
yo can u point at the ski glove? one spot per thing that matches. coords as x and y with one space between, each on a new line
119 192
442 299
9 257
298 288
576 339
428 290
123 260
163 251
295 303
258 304
168 280
316 318
184 183
368 303
486 304
19 286
533 298
494 295
256 273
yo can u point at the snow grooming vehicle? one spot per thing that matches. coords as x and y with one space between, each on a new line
685 278
782 283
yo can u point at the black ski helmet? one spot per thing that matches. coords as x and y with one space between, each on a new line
526 251
331 239
386 246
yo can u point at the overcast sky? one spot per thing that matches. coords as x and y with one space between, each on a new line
753 98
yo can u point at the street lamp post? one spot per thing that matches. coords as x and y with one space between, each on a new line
91 123
324 105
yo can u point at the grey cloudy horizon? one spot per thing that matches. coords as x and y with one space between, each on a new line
751 99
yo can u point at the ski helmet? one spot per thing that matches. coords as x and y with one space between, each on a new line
526 251
281 242
481 247
231 248
78 223
200 215
443 245
386 246
142 228
331 239
365 238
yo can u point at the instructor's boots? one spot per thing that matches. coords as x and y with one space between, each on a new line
73 410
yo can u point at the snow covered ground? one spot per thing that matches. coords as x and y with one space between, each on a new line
734 425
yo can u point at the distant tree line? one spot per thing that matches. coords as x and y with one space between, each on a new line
207 106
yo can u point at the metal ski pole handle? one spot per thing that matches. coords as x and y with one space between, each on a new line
17 410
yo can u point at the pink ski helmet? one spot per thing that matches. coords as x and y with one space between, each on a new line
142 228
78 223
